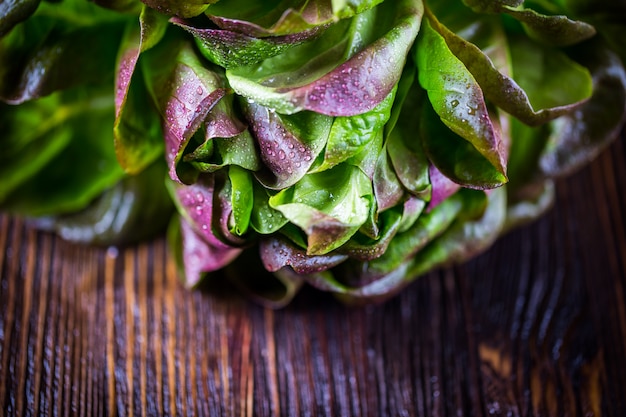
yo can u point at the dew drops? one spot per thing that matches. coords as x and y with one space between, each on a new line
454 103
471 110
199 198
281 154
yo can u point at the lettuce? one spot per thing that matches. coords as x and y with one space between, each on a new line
351 145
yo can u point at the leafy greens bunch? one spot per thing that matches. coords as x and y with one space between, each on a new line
349 144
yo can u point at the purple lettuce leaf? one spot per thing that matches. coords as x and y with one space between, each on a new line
202 206
277 252
194 255
412 208
184 90
226 141
229 49
282 17
222 121
288 144
266 19
442 187
308 77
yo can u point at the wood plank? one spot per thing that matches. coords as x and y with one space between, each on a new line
535 326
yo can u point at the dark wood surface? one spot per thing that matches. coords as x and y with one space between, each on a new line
534 327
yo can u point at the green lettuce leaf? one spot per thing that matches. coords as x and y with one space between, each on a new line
137 130
457 98
502 67
578 137
329 206
33 134
79 162
135 209
350 135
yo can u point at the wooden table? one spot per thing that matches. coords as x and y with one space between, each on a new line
534 327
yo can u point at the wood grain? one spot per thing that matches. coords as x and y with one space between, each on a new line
534 327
